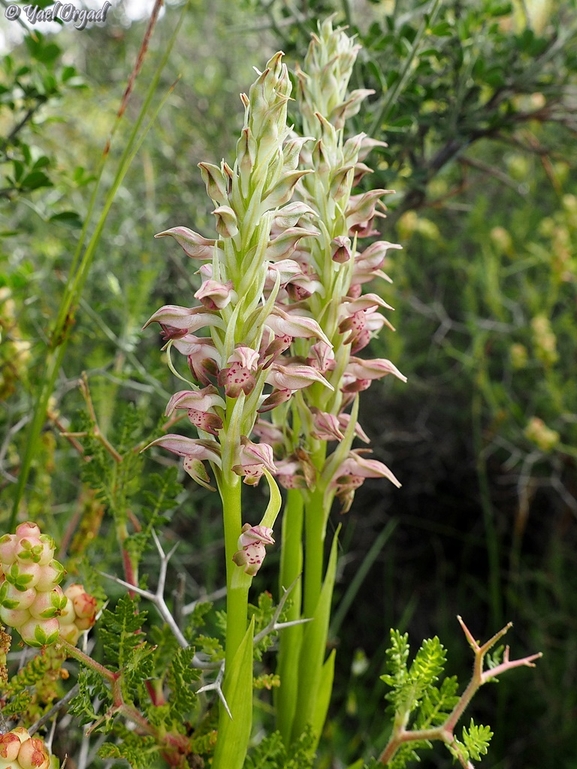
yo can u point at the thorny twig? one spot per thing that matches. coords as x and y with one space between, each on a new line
445 732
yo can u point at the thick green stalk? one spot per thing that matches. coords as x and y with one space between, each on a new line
291 637
314 550
236 726
237 582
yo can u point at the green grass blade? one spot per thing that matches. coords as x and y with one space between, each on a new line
79 272
360 576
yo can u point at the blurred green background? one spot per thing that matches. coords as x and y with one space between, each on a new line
477 102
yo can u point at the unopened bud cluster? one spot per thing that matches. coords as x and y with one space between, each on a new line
31 599
19 750
78 615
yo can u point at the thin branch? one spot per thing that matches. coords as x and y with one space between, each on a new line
54 709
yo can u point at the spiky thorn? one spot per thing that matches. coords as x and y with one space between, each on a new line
157 599
274 624
216 686
445 732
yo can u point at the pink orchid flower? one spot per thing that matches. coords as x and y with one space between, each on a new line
193 244
214 295
294 377
252 550
184 318
353 472
195 451
254 457
199 404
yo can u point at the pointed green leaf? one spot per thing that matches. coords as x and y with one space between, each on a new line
313 652
234 733
324 693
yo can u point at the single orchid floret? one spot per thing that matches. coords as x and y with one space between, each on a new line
202 400
226 221
304 285
199 404
361 208
252 534
245 356
365 271
291 215
269 433
194 453
235 379
353 472
368 144
274 399
299 326
204 360
341 249
282 191
361 170
364 302
273 346
188 447
290 474
214 295
326 426
373 369
344 420
186 319
294 377
193 244
321 357
252 550
254 457
350 107
197 346
285 243
217 182
286 268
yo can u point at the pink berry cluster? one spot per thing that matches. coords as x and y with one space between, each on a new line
30 599
78 615
19 750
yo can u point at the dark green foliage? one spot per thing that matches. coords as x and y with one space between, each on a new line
410 684
119 631
418 703
272 753
181 678
25 91
92 689
140 752
476 741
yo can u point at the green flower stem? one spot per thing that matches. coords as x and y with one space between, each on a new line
316 516
237 582
314 551
291 637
